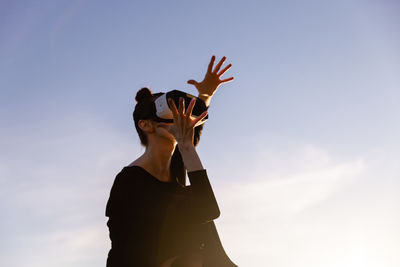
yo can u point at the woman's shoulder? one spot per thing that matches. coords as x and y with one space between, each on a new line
129 184
130 174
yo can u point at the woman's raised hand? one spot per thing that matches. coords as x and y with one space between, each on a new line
212 79
184 123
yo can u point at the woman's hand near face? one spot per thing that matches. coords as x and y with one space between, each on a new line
183 131
184 123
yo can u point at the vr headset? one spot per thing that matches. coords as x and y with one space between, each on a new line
163 113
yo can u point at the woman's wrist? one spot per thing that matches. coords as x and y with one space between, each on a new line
184 146
190 157
206 98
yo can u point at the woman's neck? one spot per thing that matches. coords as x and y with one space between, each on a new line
157 160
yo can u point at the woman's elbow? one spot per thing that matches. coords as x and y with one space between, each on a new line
212 214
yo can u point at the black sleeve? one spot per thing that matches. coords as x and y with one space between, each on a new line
205 204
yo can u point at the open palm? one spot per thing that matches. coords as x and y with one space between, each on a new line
184 122
212 79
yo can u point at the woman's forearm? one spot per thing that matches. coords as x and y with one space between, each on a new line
190 157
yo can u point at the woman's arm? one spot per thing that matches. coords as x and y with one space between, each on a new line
190 157
182 129
202 205
207 207
208 87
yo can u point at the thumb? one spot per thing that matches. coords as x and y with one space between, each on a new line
193 82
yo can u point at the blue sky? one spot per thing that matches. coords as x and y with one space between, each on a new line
302 147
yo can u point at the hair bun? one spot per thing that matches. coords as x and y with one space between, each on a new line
143 94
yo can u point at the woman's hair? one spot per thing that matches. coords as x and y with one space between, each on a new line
144 111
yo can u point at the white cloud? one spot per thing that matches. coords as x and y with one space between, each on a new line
309 218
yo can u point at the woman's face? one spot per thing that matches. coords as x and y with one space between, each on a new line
162 130
157 130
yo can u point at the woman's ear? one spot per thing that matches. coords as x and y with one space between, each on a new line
146 126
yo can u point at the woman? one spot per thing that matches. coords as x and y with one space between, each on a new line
154 219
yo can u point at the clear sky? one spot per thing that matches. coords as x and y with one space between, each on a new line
302 148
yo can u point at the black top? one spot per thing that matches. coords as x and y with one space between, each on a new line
151 221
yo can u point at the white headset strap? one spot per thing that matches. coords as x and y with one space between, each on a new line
162 109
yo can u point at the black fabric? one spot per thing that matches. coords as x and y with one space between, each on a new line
151 221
